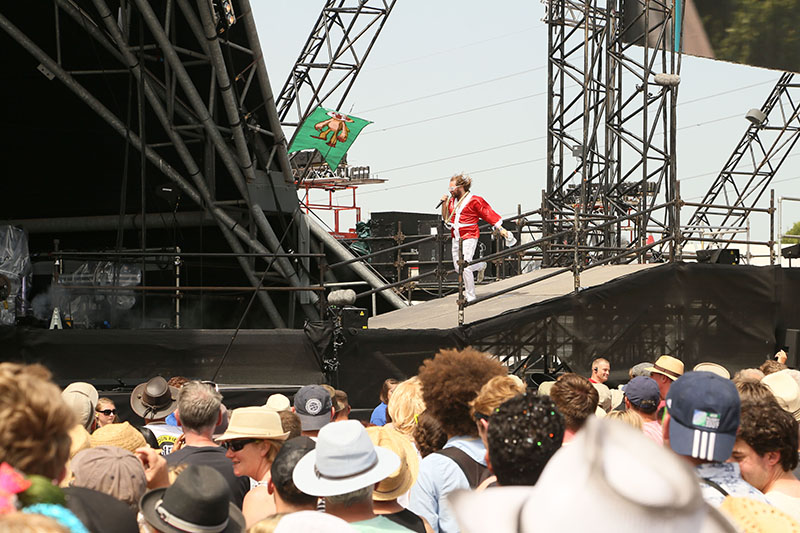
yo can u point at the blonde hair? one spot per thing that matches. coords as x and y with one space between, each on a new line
35 433
628 416
266 525
406 404
462 180
30 523
494 393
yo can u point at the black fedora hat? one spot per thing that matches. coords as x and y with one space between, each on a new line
154 398
198 501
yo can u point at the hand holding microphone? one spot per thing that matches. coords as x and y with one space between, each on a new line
443 200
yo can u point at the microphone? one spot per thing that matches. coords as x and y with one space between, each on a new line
439 204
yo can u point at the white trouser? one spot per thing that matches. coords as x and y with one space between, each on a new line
469 278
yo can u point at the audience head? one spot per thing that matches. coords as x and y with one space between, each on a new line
627 416
703 407
387 388
575 398
106 412
154 399
198 407
278 402
121 435
786 391
748 374
766 444
754 392
341 406
345 466
642 394
600 369
525 431
714 368
82 399
640 369
314 406
493 393
281 471
35 421
177 381
26 522
405 405
198 500
770 366
664 371
290 423
110 470
450 381
428 434
253 439
401 480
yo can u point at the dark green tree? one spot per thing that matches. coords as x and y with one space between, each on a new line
794 230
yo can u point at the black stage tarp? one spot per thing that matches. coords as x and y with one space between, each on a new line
731 314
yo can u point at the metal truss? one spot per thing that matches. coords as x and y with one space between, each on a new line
332 57
773 132
612 85
206 120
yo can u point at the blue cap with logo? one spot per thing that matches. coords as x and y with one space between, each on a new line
312 405
643 393
704 413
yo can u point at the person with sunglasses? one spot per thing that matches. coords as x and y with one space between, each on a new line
106 412
253 439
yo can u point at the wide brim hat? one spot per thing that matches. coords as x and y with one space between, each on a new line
122 435
254 423
154 399
714 368
667 366
186 503
345 460
786 391
401 480
278 402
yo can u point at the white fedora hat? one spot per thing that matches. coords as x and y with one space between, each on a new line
344 460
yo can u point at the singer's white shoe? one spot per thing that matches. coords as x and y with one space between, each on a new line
481 273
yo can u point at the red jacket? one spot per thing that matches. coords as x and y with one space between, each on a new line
464 223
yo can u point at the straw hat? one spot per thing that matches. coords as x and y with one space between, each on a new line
714 368
667 366
254 423
399 482
786 391
122 435
545 387
278 402
753 516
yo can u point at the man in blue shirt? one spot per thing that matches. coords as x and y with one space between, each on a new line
449 382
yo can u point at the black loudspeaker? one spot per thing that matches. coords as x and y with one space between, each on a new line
791 252
789 341
728 256
354 317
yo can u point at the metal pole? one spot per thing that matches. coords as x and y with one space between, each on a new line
771 227
461 301
439 258
177 287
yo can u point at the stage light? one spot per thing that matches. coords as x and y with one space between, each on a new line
667 80
756 116
342 297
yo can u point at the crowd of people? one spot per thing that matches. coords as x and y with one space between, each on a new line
461 446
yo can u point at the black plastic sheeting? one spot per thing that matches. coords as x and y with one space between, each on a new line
732 315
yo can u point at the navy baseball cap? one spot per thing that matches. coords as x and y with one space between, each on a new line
704 413
643 393
313 404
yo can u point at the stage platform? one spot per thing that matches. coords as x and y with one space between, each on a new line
443 313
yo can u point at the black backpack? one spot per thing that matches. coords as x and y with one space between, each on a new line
476 473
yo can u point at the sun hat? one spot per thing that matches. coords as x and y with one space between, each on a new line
344 460
313 404
110 470
704 411
313 522
643 393
619 479
254 423
154 399
754 516
122 435
400 481
715 368
545 387
81 397
667 366
603 396
786 391
278 402
198 500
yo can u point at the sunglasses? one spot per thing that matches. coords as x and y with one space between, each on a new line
107 412
237 445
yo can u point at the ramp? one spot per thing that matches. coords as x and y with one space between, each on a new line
443 312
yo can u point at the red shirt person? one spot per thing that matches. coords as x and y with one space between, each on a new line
462 211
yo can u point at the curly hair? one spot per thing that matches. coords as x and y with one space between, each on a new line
770 366
754 392
428 434
494 392
524 433
405 405
450 381
575 398
766 427
34 434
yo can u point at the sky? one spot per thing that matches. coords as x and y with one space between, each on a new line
461 86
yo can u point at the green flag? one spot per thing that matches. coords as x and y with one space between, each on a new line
330 133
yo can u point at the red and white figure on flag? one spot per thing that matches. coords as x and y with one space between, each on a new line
461 211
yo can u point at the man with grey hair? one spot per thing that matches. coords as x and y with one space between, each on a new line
199 412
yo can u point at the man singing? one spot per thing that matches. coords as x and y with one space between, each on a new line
461 210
